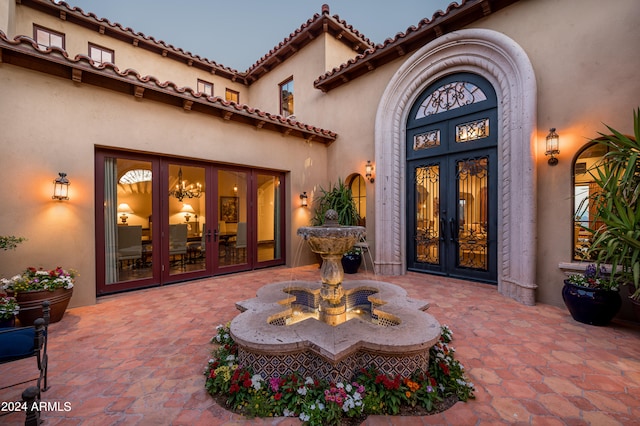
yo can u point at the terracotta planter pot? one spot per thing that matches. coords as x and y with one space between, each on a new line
31 304
589 305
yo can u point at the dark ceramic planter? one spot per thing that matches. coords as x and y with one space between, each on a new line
351 262
31 304
589 305
635 306
8 323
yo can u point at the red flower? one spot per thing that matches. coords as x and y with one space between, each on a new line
277 396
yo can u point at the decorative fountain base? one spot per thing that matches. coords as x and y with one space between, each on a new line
280 331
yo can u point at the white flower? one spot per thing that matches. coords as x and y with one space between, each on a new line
256 381
308 381
304 417
288 413
340 385
302 390
230 358
348 387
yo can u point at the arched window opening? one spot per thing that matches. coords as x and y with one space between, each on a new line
359 195
585 190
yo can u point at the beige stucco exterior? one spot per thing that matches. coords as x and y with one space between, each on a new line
580 77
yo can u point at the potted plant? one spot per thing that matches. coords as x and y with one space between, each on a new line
338 197
34 286
591 297
9 308
352 260
616 241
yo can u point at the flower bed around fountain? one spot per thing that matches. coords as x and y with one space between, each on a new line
321 402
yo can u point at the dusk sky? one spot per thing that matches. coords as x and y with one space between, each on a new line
237 34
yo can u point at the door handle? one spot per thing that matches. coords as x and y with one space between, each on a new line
209 236
443 229
215 235
452 229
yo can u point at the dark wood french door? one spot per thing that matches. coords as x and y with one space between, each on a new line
161 220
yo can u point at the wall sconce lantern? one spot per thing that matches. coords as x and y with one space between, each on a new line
368 169
61 187
124 208
187 210
553 146
304 199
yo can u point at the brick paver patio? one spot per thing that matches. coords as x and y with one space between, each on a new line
138 358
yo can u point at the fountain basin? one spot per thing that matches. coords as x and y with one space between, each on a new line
331 239
397 342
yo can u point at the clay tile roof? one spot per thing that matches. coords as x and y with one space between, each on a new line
23 51
311 29
455 17
89 20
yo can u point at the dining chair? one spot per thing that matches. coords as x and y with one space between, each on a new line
241 241
129 244
178 241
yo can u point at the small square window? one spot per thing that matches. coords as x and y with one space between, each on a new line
205 87
47 38
232 96
101 55
286 98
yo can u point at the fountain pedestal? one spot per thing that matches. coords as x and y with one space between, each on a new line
358 323
331 241
333 309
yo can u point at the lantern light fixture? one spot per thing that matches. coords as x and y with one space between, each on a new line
61 187
304 199
369 171
552 146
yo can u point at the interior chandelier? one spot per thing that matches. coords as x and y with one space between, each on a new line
183 191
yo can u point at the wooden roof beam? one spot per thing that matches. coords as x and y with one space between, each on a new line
76 75
138 92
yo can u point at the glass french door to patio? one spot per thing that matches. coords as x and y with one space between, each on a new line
162 221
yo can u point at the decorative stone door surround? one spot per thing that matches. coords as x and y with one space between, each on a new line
505 64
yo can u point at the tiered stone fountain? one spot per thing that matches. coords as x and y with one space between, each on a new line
331 329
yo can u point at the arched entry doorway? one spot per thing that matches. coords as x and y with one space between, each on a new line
452 163
502 62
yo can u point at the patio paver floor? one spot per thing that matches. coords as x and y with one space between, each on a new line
138 358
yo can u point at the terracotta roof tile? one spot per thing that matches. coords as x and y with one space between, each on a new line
313 24
43 59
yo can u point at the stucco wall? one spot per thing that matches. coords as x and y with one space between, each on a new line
126 55
51 125
585 60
